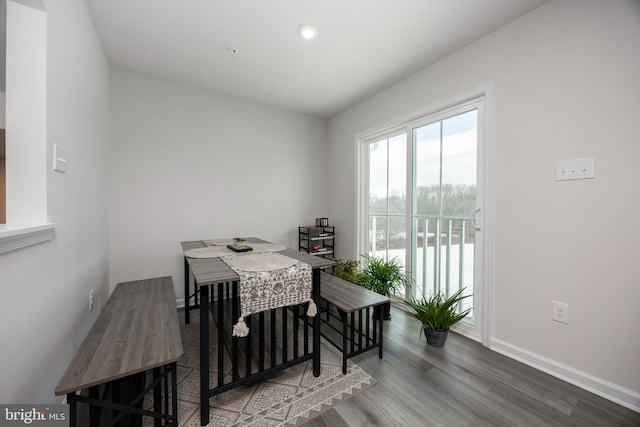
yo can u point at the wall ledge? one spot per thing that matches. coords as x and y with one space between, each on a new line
13 236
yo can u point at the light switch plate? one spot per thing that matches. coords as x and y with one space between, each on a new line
59 158
575 169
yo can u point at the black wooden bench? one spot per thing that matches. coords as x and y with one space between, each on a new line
136 333
353 322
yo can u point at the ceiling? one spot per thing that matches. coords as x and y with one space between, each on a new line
362 47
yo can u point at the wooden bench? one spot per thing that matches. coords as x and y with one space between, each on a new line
355 306
136 332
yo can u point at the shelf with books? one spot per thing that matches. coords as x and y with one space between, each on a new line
317 240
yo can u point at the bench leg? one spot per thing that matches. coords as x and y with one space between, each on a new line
94 411
343 318
380 318
157 396
71 400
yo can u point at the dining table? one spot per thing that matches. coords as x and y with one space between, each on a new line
215 288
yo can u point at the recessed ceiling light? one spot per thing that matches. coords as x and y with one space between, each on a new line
307 32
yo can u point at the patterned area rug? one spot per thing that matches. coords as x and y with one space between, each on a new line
290 398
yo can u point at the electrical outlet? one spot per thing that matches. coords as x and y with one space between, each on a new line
560 312
91 300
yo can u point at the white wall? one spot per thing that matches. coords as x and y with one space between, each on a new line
3 196
187 164
566 86
3 98
44 288
26 114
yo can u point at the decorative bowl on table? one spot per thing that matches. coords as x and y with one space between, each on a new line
239 245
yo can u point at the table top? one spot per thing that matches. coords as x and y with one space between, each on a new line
137 330
209 271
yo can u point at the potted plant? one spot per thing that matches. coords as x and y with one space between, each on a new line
384 277
437 314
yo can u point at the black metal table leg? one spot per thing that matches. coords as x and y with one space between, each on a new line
316 324
187 320
204 356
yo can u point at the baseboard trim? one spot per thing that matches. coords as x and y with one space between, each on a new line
616 393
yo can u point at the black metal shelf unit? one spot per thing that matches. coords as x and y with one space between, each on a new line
317 240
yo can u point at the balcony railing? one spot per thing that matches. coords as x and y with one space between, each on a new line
443 252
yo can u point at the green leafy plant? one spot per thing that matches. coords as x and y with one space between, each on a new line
383 276
348 270
437 312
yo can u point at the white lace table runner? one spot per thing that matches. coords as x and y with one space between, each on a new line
208 252
218 251
266 247
269 280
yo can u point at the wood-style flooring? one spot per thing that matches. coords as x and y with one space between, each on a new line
463 384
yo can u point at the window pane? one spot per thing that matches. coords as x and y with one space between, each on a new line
378 177
398 243
459 137
398 236
426 267
427 173
377 235
397 174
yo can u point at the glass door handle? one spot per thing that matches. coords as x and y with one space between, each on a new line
474 218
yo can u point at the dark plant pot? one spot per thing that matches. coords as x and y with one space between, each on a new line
386 311
435 337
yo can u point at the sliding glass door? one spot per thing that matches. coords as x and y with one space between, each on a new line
425 201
